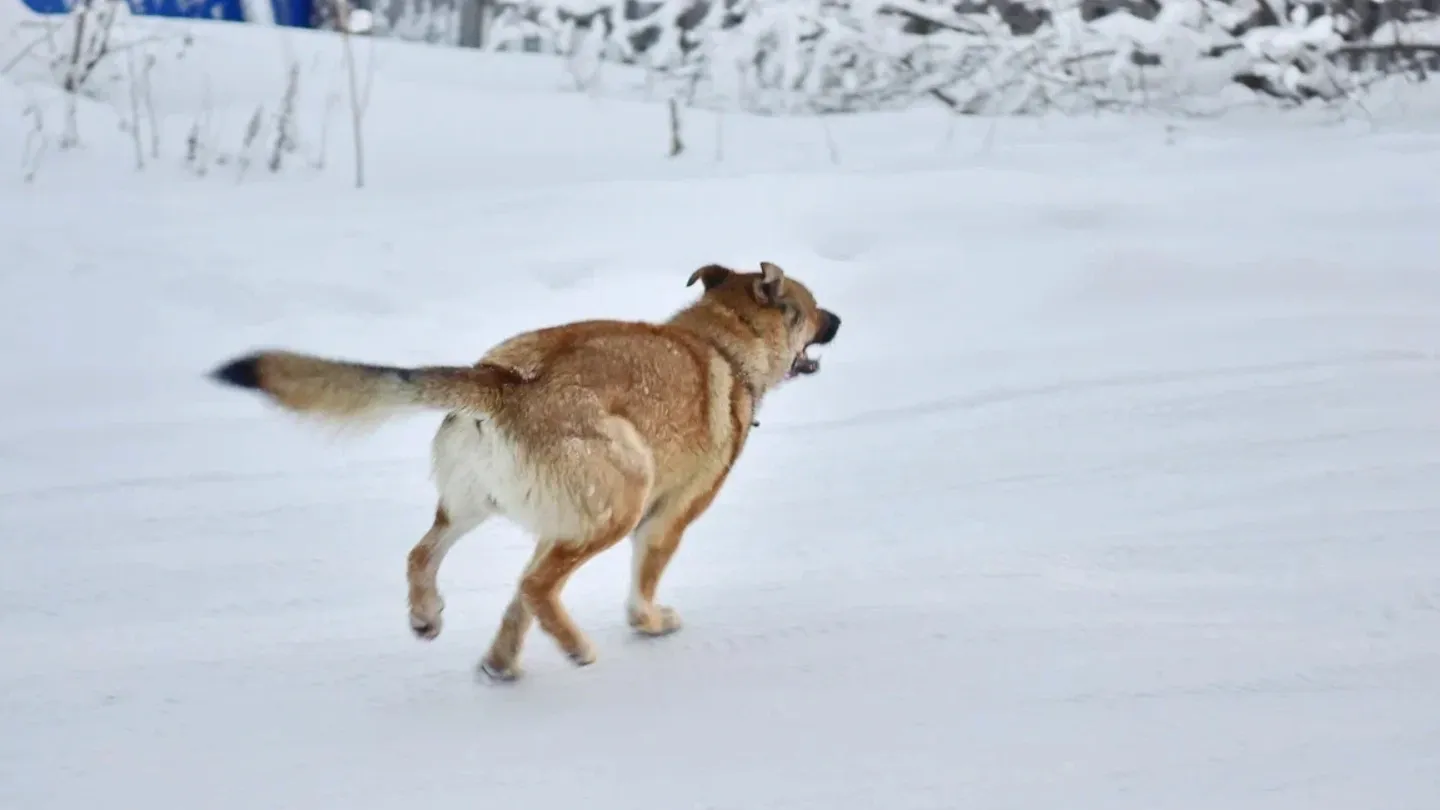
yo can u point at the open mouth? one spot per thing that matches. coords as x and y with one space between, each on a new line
803 364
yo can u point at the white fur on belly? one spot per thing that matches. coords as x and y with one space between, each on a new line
478 468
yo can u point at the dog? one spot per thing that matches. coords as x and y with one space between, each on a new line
582 434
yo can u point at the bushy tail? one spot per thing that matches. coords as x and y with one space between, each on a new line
342 391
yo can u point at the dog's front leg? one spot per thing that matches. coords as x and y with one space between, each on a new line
653 547
651 554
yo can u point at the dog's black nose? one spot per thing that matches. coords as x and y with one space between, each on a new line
828 327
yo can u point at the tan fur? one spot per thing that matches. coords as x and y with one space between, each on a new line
582 433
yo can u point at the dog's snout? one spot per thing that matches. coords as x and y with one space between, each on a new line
828 326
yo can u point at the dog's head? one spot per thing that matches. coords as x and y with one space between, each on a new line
781 309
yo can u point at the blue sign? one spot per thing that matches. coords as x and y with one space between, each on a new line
295 13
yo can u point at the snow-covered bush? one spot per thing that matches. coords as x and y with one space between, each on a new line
83 73
978 56
94 53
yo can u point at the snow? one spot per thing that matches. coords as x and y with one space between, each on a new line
1117 488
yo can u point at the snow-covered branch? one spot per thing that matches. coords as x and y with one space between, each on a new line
981 56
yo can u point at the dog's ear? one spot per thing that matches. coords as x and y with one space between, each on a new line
770 287
711 275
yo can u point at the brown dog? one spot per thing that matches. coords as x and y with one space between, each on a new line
582 434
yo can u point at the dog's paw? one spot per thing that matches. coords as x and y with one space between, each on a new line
659 620
425 629
583 655
425 610
497 672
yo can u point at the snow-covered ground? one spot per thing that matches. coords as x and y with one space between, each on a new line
1119 489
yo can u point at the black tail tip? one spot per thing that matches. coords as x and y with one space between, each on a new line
241 373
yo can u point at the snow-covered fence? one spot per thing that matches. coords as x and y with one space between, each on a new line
976 56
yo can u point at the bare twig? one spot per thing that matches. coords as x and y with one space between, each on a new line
676 144
197 144
830 145
35 142
285 119
72 76
135 111
21 55
89 52
150 106
342 13
252 131
929 20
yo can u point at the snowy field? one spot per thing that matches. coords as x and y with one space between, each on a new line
1119 489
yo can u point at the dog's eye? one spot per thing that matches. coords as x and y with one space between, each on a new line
793 315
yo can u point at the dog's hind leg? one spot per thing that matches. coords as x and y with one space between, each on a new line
600 504
654 544
423 566
538 599
502 661
540 589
